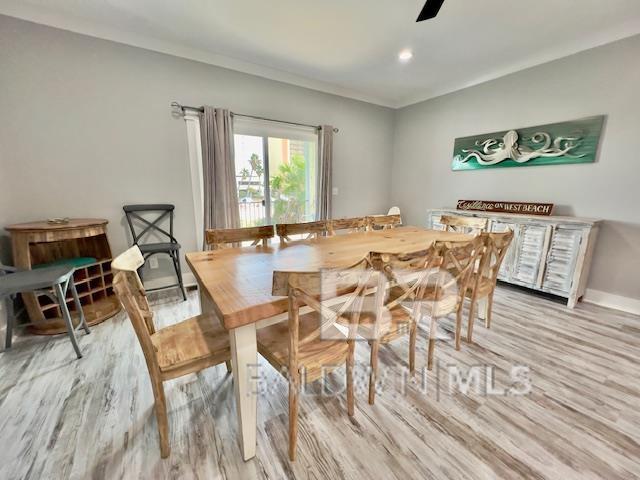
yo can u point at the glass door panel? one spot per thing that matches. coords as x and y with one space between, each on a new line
250 180
292 171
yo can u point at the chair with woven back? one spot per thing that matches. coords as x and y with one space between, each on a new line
347 225
473 225
171 352
318 338
222 237
401 279
309 230
383 222
483 284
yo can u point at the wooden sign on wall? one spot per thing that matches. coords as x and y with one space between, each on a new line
506 207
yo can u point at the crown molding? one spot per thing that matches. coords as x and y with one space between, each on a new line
92 29
44 16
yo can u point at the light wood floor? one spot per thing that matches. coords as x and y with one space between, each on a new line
63 418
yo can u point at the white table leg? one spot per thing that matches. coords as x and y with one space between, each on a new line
483 304
244 358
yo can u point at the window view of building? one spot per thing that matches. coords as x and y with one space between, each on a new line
276 184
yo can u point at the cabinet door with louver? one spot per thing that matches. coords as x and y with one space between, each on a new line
561 260
508 262
435 222
530 254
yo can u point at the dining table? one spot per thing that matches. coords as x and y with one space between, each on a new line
235 284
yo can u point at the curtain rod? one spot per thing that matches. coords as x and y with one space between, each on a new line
201 109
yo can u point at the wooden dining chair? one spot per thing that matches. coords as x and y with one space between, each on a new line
222 237
347 225
312 344
446 296
171 352
401 279
309 230
383 222
394 211
485 278
473 225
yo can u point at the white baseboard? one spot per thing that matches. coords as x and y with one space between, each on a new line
609 300
188 279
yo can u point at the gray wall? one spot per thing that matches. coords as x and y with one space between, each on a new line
87 128
605 80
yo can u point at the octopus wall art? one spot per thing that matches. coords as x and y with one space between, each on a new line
567 142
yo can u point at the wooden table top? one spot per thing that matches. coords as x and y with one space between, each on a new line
238 280
44 225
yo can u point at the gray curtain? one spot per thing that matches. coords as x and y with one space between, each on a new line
219 171
325 171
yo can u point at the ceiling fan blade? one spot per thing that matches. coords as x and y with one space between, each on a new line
430 10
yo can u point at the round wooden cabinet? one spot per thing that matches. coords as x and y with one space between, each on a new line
41 243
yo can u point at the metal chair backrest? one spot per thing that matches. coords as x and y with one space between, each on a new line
141 226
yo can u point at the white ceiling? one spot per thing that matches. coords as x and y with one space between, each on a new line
350 47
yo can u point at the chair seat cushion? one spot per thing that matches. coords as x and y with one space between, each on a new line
197 342
75 262
315 354
159 247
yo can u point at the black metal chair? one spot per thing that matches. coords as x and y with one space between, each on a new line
147 227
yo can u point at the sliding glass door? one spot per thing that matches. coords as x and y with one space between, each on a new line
250 180
276 173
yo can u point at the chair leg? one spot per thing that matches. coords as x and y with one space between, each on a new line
9 332
160 406
350 397
294 394
374 371
458 334
472 316
60 295
412 347
487 319
433 332
176 264
76 301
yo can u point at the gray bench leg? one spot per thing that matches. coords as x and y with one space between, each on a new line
9 331
76 300
60 294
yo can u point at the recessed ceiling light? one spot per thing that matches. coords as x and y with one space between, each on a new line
405 55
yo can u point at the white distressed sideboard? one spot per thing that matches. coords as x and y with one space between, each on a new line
550 254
